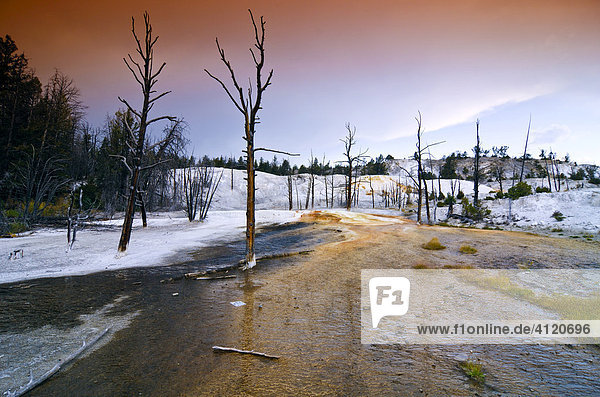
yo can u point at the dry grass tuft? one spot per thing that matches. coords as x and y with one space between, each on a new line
434 244
458 267
467 249
421 266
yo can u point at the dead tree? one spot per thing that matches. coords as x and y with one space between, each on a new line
326 187
73 224
307 194
372 190
232 159
351 160
332 187
421 185
290 192
199 186
525 151
498 165
37 182
477 153
147 78
545 158
249 105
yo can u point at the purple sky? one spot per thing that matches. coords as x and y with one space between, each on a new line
371 63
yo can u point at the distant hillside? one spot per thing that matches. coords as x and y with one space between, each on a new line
534 168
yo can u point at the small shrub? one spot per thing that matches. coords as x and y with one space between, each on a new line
450 199
434 244
594 180
12 213
556 230
499 195
489 198
475 212
467 249
460 195
558 216
17 227
541 189
473 370
421 266
579 175
521 189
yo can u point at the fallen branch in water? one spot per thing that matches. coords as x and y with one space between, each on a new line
233 350
215 277
281 255
35 383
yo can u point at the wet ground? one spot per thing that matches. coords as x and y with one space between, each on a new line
43 321
305 309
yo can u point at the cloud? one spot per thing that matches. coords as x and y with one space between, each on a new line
552 134
439 114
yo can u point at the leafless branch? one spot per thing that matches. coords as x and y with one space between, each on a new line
275 151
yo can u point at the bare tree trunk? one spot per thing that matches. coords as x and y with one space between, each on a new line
143 210
525 151
249 105
419 169
332 193
372 191
476 169
145 76
312 188
352 161
307 194
290 191
326 193
548 174
250 199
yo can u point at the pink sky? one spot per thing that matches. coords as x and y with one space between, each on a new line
370 63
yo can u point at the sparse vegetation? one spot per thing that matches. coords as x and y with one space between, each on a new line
421 266
17 227
521 189
467 249
558 216
473 370
434 244
474 211
579 175
556 230
542 189
458 267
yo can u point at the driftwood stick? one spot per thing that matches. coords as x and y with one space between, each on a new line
216 277
233 350
281 255
35 383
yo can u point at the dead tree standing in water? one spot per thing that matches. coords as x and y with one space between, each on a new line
249 104
146 78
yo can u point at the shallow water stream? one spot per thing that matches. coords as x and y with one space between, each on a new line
304 308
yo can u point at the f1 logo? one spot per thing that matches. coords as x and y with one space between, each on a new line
389 296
